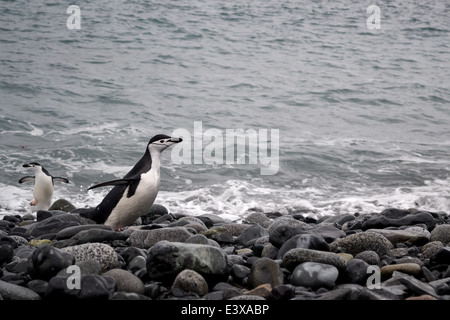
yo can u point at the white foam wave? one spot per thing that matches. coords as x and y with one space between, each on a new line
238 198
235 199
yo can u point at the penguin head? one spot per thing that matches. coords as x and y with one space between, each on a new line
33 165
161 142
36 167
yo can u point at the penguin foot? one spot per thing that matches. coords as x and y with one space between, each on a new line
34 202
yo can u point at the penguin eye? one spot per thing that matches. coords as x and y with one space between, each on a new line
161 141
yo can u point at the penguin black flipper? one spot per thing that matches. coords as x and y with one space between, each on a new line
26 179
118 182
60 179
101 213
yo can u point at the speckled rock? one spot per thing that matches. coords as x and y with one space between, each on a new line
431 248
441 233
288 221
191 281
369 256
294 257
362 241
258 218
147 238
102 253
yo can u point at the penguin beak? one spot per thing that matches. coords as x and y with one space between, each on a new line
175 140
27 165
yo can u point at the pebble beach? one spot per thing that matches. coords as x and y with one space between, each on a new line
390 255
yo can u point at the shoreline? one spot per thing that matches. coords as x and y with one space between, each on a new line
390 255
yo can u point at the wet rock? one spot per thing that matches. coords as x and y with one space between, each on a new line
126 281
314 275
223 291
47 261
170 258
351 292
155 211
239 272
198 239
62 205
54 224
415 285
305 241
280 234
72 231
39 286
97 235
6 254
92 287
263 271
441 256
356 271
9 291
328 232
251 234
398 218
282 292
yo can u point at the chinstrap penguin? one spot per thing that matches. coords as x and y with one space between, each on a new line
43 185
134 194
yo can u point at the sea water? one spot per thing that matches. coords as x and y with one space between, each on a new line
361 105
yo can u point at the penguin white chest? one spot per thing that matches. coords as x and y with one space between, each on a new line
128 209
43 191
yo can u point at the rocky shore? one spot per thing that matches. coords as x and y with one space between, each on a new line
390 255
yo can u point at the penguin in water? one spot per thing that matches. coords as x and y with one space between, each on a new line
43 185
134 194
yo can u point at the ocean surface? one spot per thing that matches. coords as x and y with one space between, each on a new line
357 115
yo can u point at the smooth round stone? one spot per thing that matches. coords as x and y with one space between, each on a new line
9 291
314 275
47 261
126 281
408 268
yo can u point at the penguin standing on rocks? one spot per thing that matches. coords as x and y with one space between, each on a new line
43 185
133 195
